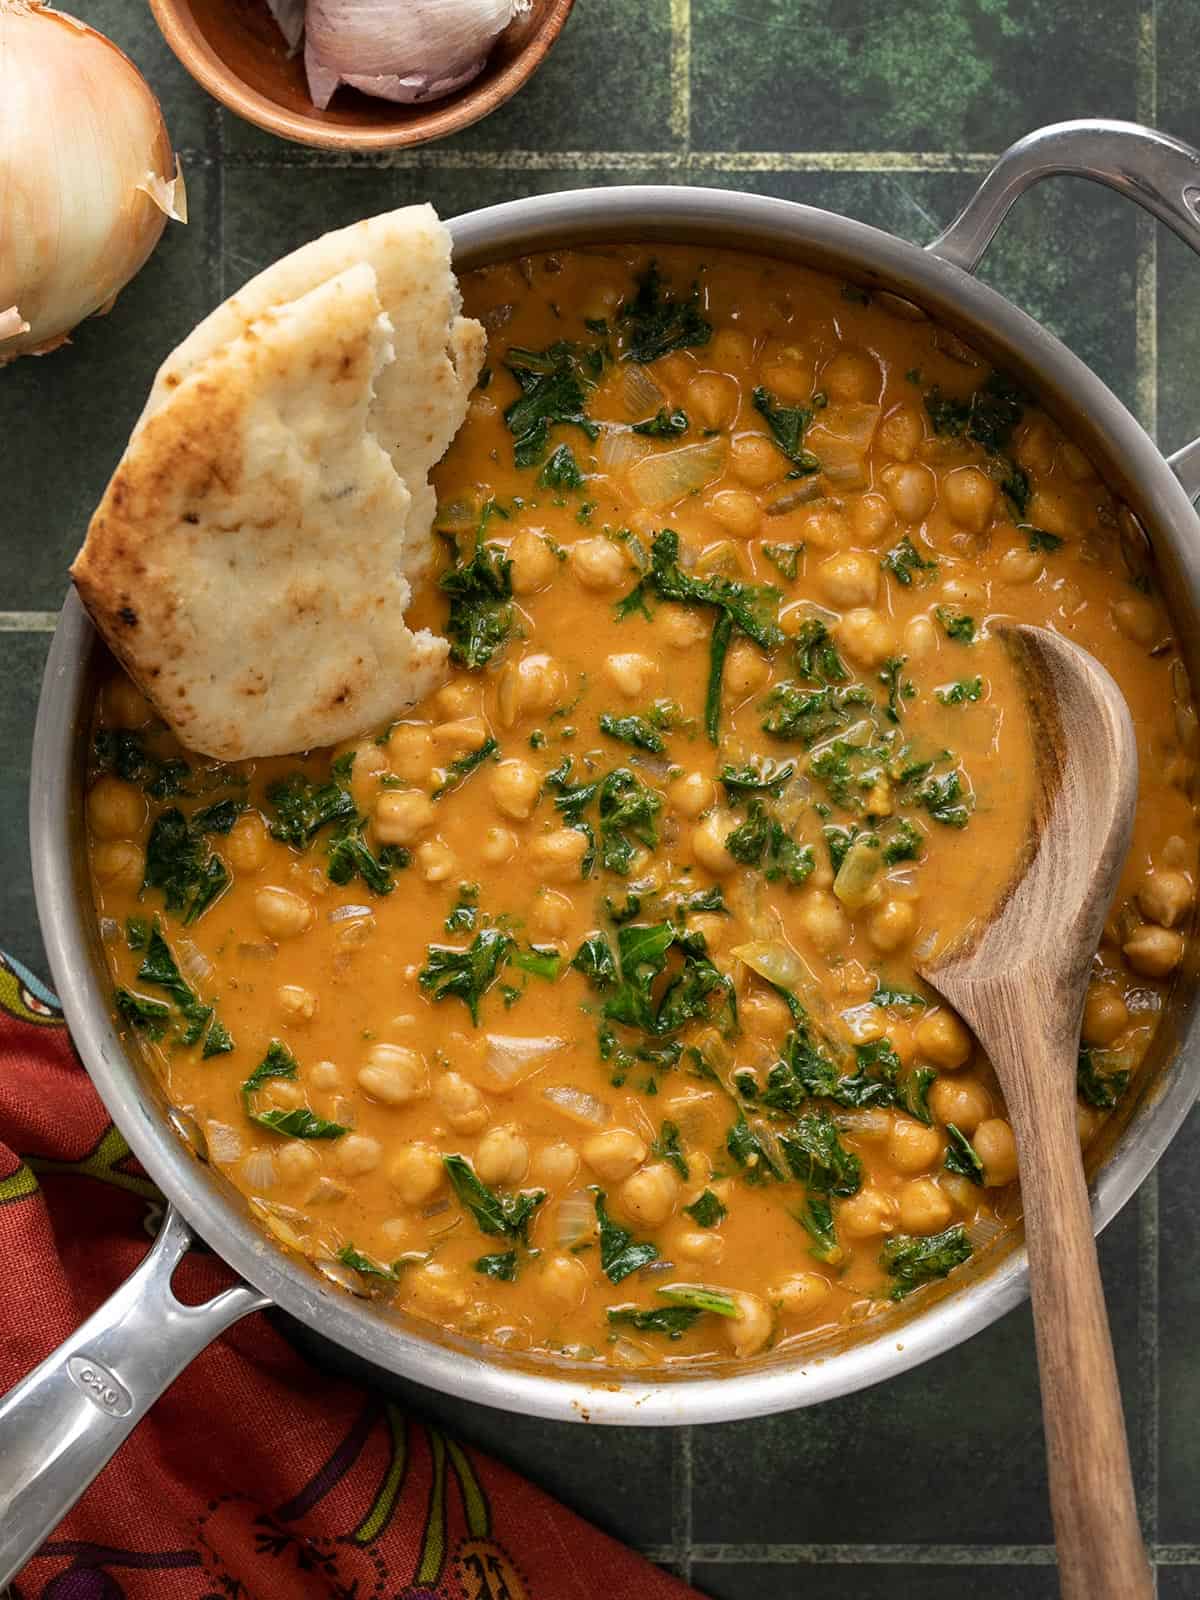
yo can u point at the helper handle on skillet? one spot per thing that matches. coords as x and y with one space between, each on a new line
1162 174
62 1422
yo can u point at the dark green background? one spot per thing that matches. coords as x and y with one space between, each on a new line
888 114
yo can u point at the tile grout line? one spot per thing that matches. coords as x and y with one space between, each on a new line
681 73
850 162
892 1555
1146 280
682 1507
28 621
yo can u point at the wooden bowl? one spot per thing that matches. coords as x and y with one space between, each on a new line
235 51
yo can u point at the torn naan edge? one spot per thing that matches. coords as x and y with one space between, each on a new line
248 560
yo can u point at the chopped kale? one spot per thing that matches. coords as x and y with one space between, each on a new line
674 1321
762 841
634 730
898 688
561 470
464 914
663 425
461 769
366 1265
716 1301
480 590
198 1019
957 625
279 1062
540 961
350 856
466 973
137 932
904 842
150 1017
122 752
1039 539
787 426
300 1123
747 1149
816 654
655 321
302 808
706 1211
1016 487
911 1262
507 1215
786 557
904 561
628 810
816 1218
502 1266
644 950
180 864
619 1253
762 777
596 961
988 418
956 694
668 1148
795 712
961 1155
553 394
1097 1087
942 797
817 1157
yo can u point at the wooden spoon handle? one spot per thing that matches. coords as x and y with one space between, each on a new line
1100 1550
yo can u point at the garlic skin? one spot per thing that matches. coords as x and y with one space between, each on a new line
87 175
409 52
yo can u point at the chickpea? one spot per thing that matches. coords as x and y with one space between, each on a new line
911 488
436 860
680 627
281 914
461 1103
1075 464
1154 952
125 704
1105 1014
920 638
515 787
417 1172
1020 565
598 563
563 1280
737 510
534 684
924 1208
731 348
457 699
764 1013
403 815
631 673
852 375
551 912
357 1155
788 372
325 1075
614 1154
997 1149
368 763
499 845
435 1290
502 1156
867 637
964 594
691 793
120 864
708 843
750 1330
298 1005
849 579
746 670
650 1195
911 1146
962 1101
410 752
822 920
802 1293
869 1212
873 518
1035 446
297 1162
712 398
900 432
826 528
969 495
246 844
394 1074
458 737
534 563
944 1039
115 809
558 856
711 927
1165 896
1137 618
755 461
892 924
555 1165
699 1244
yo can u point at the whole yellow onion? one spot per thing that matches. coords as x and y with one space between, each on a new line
87 175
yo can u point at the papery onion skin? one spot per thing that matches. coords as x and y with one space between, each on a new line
80 205
422 50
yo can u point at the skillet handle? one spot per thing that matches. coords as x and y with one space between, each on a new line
63 1421
1161 173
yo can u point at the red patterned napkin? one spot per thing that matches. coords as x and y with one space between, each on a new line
255 1477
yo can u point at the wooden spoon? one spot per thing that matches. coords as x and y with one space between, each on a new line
1018 976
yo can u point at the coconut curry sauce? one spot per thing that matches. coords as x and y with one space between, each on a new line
576 1011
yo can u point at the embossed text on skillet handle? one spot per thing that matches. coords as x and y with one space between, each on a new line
65 1419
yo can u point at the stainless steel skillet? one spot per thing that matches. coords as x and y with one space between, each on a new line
59 1426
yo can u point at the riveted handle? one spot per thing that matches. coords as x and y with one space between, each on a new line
63 1421
1161 173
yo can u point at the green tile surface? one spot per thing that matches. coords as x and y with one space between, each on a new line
934 1486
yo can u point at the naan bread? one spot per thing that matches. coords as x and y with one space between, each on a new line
252 558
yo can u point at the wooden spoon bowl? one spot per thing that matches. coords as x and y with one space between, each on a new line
1018 975
235 51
